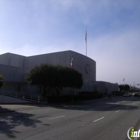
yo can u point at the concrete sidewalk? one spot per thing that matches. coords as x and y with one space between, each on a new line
4 108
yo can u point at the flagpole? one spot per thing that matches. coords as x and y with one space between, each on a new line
86 48
86 40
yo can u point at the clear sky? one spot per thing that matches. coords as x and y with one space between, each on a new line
30 27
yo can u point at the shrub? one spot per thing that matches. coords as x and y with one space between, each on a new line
117 93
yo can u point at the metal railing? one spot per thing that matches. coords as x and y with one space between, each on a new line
23 96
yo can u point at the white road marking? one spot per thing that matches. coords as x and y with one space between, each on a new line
56 117
98 119
117 111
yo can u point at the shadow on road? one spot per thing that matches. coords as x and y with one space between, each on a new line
9 119
100 105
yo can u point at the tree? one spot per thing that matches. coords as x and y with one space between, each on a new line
40 76
125 87
1 81
66 77
58 77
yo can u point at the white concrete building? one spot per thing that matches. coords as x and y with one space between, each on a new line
14 69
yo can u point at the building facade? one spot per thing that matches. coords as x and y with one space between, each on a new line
14 68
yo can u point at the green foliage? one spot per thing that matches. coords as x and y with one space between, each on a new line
58 77
117 93
125 87
88 95
40 76
1 81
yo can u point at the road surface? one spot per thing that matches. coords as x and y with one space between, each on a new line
90 120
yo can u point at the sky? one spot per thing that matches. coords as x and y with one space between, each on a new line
31 27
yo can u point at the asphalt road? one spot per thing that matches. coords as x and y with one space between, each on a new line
90 120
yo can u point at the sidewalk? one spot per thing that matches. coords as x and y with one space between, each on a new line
4 108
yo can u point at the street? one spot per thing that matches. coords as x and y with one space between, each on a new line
107 119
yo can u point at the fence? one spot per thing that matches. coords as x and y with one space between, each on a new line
24 96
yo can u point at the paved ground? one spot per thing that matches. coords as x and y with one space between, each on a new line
90 120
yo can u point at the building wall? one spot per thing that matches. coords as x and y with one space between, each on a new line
14 68
10 59
105 87
60 58
81 63
11 73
